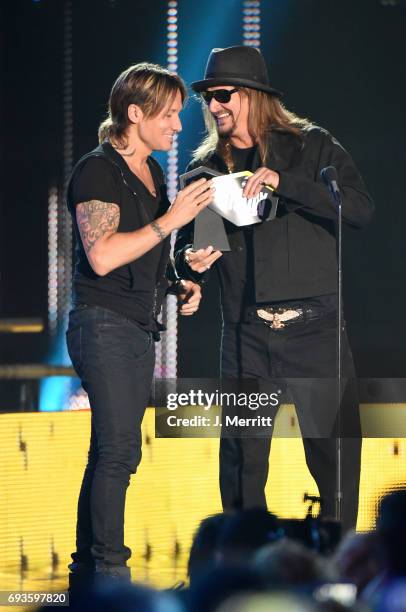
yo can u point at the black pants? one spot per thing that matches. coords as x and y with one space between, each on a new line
303 351
114 359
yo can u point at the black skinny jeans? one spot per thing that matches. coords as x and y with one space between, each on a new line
114 358
306 351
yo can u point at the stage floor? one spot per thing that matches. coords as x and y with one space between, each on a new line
42 456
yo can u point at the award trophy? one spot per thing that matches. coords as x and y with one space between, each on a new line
230 204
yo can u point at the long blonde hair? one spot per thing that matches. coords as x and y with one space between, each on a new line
150 86
266 114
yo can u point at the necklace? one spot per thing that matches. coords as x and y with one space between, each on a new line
145 179
137 172
228 157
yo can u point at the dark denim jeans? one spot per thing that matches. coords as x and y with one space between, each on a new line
114 359
300 351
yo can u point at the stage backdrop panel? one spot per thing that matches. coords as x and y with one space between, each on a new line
42 457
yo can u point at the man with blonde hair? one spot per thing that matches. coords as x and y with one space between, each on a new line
122 220
279 280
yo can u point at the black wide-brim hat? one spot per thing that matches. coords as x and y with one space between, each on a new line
243 66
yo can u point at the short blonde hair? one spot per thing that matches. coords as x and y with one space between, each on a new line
149 86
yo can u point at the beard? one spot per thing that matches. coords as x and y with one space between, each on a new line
225 131
228 128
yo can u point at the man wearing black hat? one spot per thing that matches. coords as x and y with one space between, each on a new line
279 281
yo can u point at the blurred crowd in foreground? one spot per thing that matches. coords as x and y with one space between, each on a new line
252 561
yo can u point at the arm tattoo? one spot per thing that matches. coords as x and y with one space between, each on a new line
158 230
96 218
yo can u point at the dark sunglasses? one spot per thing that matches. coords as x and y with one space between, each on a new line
221 95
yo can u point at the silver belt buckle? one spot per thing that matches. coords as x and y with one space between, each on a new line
277 320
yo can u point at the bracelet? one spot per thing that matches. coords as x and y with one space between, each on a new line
158 230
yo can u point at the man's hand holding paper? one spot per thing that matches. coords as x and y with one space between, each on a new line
262 176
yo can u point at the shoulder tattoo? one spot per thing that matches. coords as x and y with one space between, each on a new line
96 218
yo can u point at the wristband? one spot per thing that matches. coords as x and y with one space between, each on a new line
158 230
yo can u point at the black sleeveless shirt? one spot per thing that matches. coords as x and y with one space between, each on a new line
134 290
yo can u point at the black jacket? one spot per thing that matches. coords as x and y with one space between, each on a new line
293 256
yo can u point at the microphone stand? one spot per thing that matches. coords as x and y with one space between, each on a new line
339 488
329 176
336 195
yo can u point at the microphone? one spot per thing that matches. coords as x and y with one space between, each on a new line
330 178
